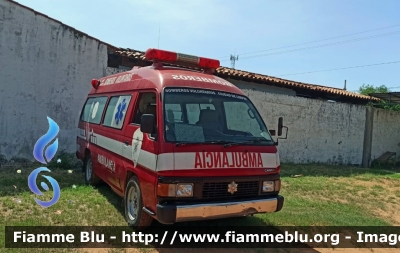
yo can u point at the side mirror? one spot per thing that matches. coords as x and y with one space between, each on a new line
147 123
272 132
280 126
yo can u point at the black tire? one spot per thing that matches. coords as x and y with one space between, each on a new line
90 177
83 165
133 205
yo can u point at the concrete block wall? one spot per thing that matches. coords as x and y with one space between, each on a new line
319 131
45 70
386 132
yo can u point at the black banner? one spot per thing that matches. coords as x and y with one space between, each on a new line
202 237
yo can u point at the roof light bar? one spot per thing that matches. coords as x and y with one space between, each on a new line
182 59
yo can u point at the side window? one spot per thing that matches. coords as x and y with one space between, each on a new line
173 113
116 111
193 111
93 110
146 105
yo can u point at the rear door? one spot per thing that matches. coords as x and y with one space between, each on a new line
111 138
90 123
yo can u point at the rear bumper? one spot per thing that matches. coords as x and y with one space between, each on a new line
169 214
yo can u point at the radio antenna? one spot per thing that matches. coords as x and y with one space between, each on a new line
159 29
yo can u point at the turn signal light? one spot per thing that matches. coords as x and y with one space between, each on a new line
95 83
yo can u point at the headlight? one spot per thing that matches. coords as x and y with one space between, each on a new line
268 186
175 190
184 190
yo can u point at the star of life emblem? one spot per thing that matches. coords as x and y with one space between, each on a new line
232 187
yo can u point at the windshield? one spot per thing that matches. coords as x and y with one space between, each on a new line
206 116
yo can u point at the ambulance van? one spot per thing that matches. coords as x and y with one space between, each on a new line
179 144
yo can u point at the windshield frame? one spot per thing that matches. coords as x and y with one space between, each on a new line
248 102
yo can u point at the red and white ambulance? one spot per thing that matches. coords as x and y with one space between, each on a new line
179 144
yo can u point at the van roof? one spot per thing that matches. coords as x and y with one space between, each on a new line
160 77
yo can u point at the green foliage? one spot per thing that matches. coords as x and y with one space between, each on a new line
387 106
368 89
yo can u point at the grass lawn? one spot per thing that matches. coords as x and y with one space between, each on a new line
322 196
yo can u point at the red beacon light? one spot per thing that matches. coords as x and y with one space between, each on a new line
158 55
95 83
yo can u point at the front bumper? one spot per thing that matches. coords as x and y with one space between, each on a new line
169 214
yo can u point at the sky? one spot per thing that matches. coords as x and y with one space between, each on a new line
282 33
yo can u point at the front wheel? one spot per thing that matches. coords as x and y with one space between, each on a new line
134 214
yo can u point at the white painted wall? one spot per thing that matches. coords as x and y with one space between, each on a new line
386 133
45 70
319 131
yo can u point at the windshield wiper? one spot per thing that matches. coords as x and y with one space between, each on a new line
257 140
205 142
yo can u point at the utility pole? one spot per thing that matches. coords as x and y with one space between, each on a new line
233 60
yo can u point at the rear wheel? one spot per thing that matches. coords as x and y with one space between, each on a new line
90 177
134 214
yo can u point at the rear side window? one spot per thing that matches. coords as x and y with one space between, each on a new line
93 110
116 111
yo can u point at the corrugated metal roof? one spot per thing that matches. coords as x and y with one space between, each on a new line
391 97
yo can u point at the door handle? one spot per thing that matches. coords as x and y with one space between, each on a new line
126 143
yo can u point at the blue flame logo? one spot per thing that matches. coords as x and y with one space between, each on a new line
45 157
44 140
32 185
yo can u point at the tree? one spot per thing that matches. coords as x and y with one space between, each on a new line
368 89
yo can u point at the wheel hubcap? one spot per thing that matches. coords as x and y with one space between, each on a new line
132 203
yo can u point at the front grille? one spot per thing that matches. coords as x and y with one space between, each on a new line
220 190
